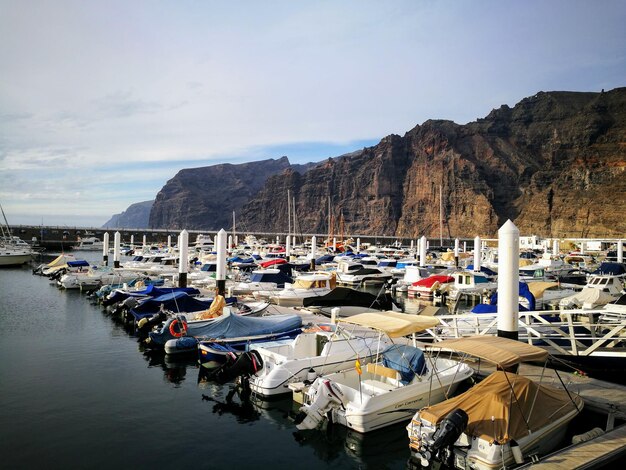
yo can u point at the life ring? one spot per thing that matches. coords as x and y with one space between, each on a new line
181 330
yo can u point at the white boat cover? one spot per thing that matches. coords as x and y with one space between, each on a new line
515 403
589 295
394 324
503 352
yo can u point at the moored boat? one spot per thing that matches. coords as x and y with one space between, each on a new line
503 420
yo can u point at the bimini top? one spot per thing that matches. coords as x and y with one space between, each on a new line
503 352
394 324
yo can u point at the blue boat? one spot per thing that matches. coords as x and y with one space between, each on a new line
231 328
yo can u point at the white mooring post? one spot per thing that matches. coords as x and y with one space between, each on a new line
508 280
183 258
456 252
287 247
423 251
116 249
555 247
477 254
220 275
358 246
620 251
105 249
143 247
169 243
132 242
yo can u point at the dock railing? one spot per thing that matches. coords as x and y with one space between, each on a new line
575 332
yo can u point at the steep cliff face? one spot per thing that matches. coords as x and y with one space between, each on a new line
554 164
136 216
204 198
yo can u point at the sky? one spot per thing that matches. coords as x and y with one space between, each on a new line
102 102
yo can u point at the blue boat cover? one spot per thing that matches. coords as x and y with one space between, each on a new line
174 301
156 291
78 263
492 307
483 269
232 326
609 268
324 259
407 360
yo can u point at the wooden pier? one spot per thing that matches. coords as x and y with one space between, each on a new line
596 453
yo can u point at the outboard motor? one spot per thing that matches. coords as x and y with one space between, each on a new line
246 364
440 445
146 324
325 396
451 427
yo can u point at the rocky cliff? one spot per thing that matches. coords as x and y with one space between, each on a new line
136 216
204 198
554 164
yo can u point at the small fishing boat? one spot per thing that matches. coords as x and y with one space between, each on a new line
400 380
501 421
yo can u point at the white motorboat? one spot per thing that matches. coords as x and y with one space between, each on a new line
13 256
470 282
504 420
389 389
320 350
600 290
270 279
363 276
89 244
306 285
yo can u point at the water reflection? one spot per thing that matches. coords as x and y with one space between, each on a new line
381 449
237 402
174 367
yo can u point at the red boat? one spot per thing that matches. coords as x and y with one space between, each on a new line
426 287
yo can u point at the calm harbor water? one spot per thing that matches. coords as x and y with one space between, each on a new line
77 391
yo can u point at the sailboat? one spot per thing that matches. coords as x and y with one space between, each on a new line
13 250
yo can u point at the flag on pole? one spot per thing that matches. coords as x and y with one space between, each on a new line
357 364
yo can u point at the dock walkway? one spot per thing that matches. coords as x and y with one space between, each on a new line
596 453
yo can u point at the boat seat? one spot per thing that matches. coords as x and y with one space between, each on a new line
376 386
378 369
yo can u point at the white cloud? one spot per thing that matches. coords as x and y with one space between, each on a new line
89 85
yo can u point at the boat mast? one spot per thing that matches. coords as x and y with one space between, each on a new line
293 206
330 222
440 215
6 223
234 244
288 213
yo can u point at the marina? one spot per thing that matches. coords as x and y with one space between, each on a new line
96 363
276 235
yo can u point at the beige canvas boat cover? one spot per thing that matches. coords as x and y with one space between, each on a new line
394 324
500 351
537 288
525 262
447 256
508 398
